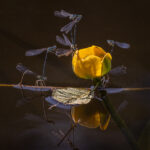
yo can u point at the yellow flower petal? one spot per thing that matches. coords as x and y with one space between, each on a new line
93 50
91 62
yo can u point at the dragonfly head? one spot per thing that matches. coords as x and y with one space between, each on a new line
73 16
78 18
74 46
111 42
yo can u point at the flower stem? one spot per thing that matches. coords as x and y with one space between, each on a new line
120 123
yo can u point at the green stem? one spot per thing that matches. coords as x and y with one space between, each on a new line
120 123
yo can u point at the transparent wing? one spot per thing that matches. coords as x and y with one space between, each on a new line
20 67
67 28
67 40
35 52
63 52
117 71
62 14
25 100
122 105
60 40
122 45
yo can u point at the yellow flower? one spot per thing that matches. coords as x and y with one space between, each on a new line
91 62
91 115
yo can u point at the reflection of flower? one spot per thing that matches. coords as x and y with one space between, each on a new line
91 115
91 62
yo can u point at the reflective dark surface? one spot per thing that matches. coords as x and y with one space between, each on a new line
31 24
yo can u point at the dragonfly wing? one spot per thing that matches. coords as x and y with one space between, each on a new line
62 14
59 14
23 101
35 118
117 71
20 67
66 14
67 40
63 52
122 105
35 52
122 45
60 40
67 28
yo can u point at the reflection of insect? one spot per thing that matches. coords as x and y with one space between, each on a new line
117 71
74 17
39 82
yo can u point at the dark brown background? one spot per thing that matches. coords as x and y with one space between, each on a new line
30 24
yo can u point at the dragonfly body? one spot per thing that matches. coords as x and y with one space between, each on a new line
119 44
65 42
75 18
34 52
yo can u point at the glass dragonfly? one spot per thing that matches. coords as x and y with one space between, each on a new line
25 71
53 49
59 52
113 43
73 17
